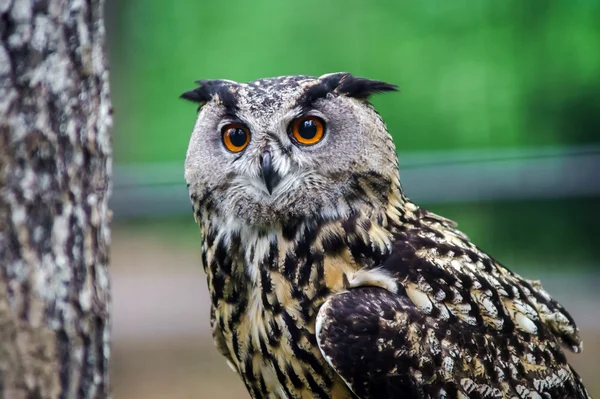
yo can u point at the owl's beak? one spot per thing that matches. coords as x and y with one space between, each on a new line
269 176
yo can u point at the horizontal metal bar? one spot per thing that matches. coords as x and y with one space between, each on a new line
433 177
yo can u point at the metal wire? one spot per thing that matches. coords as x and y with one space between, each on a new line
158 190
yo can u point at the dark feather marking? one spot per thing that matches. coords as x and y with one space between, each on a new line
234 296
231 324
323 291
263 386
265 281
222 257
221 322
249 370
274 305
316 390
204 202
365 224
305 270
289 267
276 308
236 345
233 321
361 251
290 229
272 260
333 244
309 234
349 224
318 260
211 236
204 259
265 300
251 350
302 354
264 350
235 244
307 310
487 265
296 381
280 377
274 336
357 188
252 390
297 293
218 282
377 184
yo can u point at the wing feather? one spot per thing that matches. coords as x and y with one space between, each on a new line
383 346
454 322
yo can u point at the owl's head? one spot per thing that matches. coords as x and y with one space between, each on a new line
288 148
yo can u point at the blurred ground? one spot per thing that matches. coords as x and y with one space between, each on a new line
177 368
161 341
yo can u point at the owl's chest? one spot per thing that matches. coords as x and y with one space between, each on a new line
265 300
269 334
274 347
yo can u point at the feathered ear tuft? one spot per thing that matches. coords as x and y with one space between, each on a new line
195 96
351 86
202 94
363 88
222 90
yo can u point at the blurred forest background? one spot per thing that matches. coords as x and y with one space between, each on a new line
497 126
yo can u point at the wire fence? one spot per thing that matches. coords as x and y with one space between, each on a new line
159 190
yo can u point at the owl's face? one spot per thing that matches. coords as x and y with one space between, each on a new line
286 148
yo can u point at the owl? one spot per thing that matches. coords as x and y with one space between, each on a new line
326 281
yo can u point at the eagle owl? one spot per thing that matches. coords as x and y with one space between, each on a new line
326 281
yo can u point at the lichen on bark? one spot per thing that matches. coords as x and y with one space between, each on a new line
55 168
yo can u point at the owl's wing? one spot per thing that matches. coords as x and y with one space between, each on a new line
384 347
452 323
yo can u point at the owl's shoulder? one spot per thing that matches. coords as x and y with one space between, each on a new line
448 276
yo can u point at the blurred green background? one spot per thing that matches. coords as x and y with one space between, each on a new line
472 74
504 96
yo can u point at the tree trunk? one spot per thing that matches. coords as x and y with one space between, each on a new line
55 165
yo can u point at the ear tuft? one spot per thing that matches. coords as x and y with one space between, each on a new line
209 89
195 96
362 88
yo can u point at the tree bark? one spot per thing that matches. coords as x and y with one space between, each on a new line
55 167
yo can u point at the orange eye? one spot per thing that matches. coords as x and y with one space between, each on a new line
235 137
308 130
